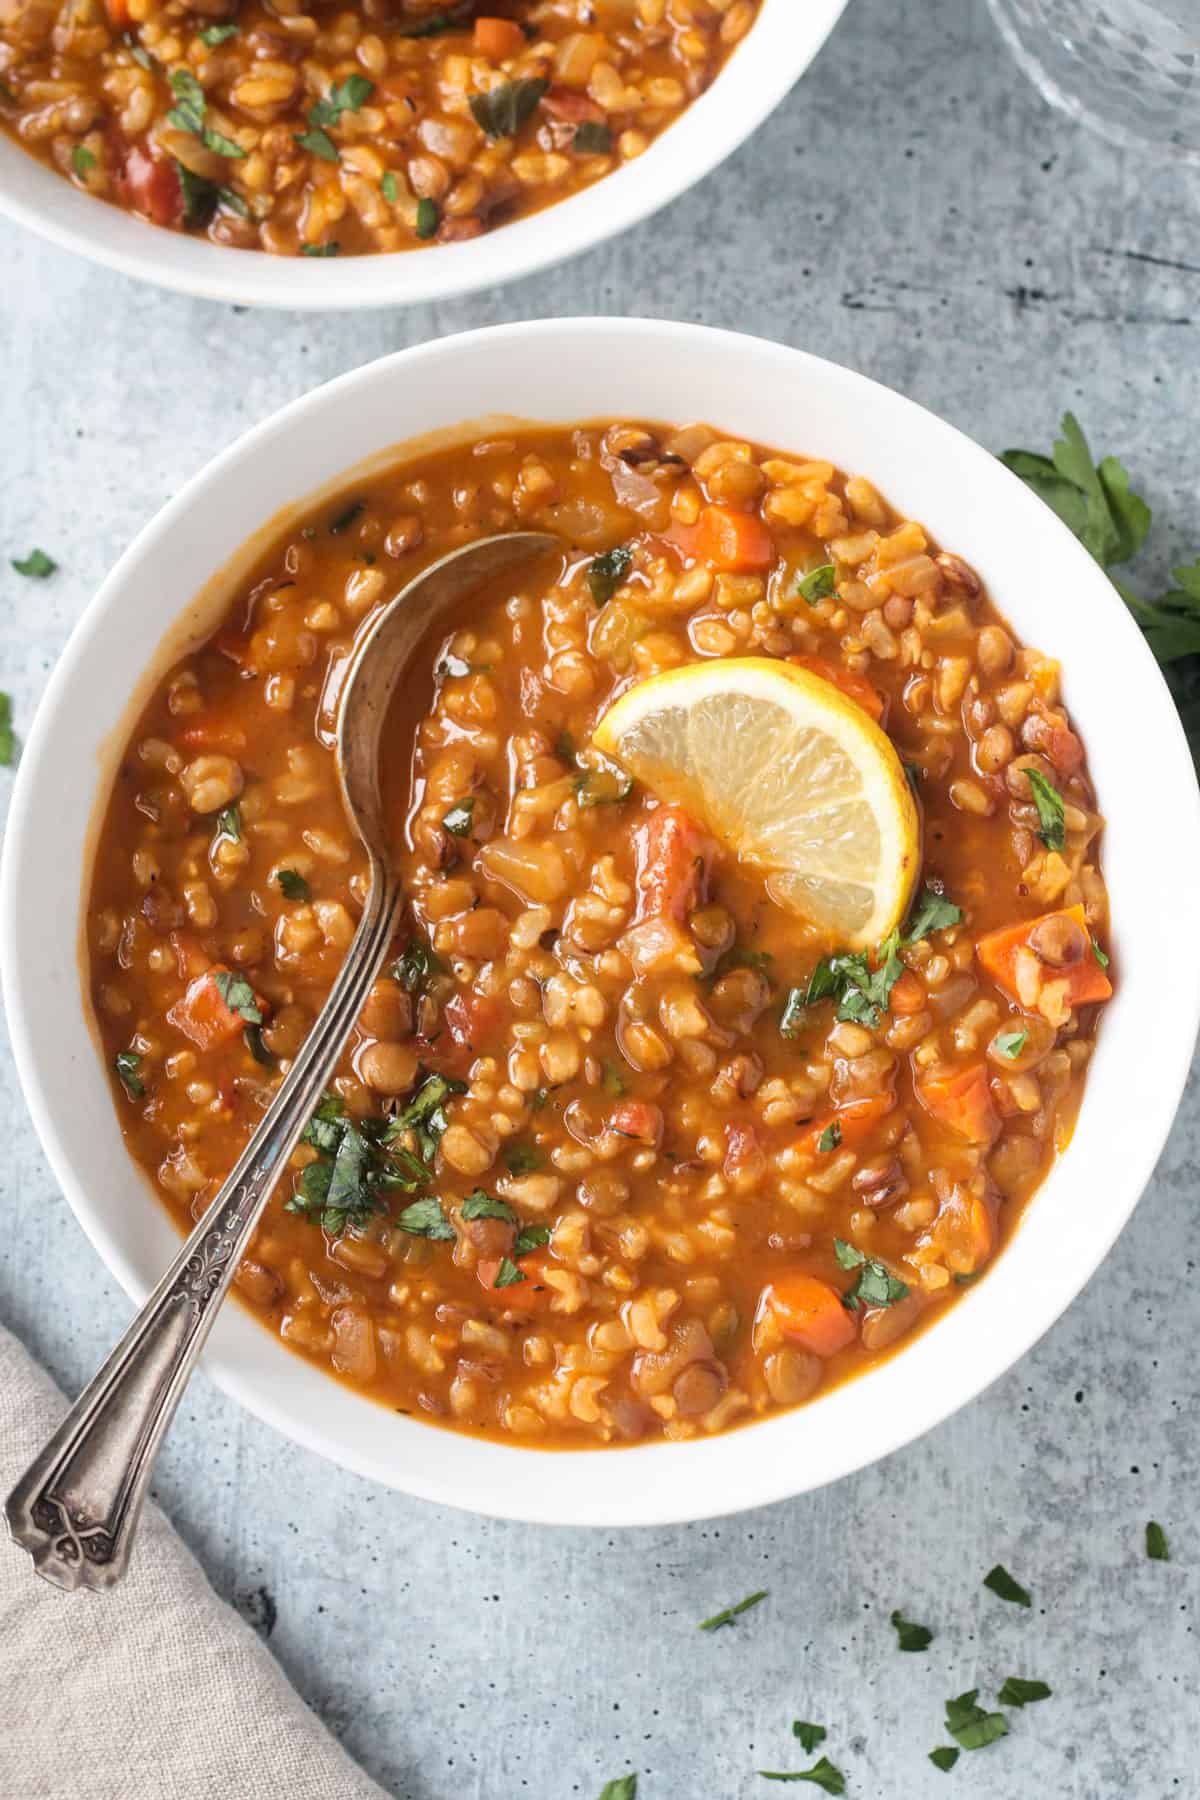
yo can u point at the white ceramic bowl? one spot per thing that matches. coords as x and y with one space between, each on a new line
1056 598
774 55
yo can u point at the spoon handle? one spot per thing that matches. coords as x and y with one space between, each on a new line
76 1507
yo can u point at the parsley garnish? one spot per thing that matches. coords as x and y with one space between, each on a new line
425 1114
508 1274
810 1735
425 1218
238 995
414 966
795 1012
1156 1541
127 1063
592 138
614 1081
428 218
292 885
932 912
532 1238
479 1205
607 571
623 1788
434 26
503 110
731 1612
875 1286
140 56
190 113
212 35
823 1774
229 823
458 820
37 565
862 993
1017 1692
82 159
388 188
8 737
1049 803
818 584
944 1757
911 1637
971 1725
1003 1585
1011 1043
332 249
1098 953
343 97
602 787
522 1159
831 1137
317 143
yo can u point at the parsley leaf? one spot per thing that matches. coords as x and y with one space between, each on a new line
911 1637
318 143
944 1757
346 96
809 1735
932 912
479 1205
1156 1541
875 1286
229 823
458 820
1049 802
414 966
1003 1585
332 249
971 1725
532 1238
602 787
425 1218
623 1788
37 565
522 1159
607 571
863 994
1011 1043
425 1114
508 1274
127 1063
823 1774
8 737
434 26
818 584
428 218
191 111
238 995
831 1137
794 1016
731 1612
503 110
1017 1692
212 35
292 885
82 159
1099 954
592 138
388 188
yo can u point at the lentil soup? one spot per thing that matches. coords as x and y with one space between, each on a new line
264 125
621 1149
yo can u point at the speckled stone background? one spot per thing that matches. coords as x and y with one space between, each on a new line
912 210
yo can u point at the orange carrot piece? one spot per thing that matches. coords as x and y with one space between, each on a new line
856 687
810 1312
672 863
520 1296
498 38
853 1120
202 1014
908 996
732 540
962 1099
997 952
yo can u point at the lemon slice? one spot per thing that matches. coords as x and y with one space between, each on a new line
789 774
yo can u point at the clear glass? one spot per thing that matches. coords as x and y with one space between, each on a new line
1128 68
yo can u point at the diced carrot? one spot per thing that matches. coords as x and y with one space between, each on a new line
998 951
810 1312
202 1014
856 687
518 1296
673 855
637 1119
962 1099
209 731
853 1121
908 996
498 38
150 185
729 539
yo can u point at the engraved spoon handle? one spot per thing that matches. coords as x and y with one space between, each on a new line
76 1507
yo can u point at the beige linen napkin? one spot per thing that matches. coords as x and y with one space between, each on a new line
154 1691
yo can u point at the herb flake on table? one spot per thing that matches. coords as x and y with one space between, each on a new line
503 110
730 1613
1156 1543
37 566
1004 1587
910 1636
607 571
809 1735
971 1725
1018 1692
875 1285
818 584
823 1774
292 885
127 1063
8 737
623 1788
1051 811
944 1757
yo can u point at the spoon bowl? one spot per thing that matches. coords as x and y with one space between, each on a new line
76 1507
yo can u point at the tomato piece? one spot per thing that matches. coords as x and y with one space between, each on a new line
637 1119
472 1020
518 1296
673 859
203 1016
810 1312
733 541
856 687
151 186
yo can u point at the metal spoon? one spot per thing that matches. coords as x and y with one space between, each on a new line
76 1507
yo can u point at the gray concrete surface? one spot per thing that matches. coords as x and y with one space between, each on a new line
914 211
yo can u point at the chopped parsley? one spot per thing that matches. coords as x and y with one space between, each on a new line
238 996
229 823
127 1063
425 1114
818 584
970 1725
809 1735
318 143
358 1163
479 1205
212 35
508 1274
592 138
932 912
911 1637
428 218
1005 1588
531 1238
426 1218
458 820
823 1774
732 1612
332 249
82 159
875 1285
140 55
388 188
794 1016
434 26
1098 953
831 1137
862 993
602 787
1156 1537
292 885
343 97
944 1757
1011 1043
190 112
522 1159
37 565
414 967
503 110
1017 1692
607 571
614 1081
8 737
1050 812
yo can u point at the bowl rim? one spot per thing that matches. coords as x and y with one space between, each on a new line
707 1478
758 75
